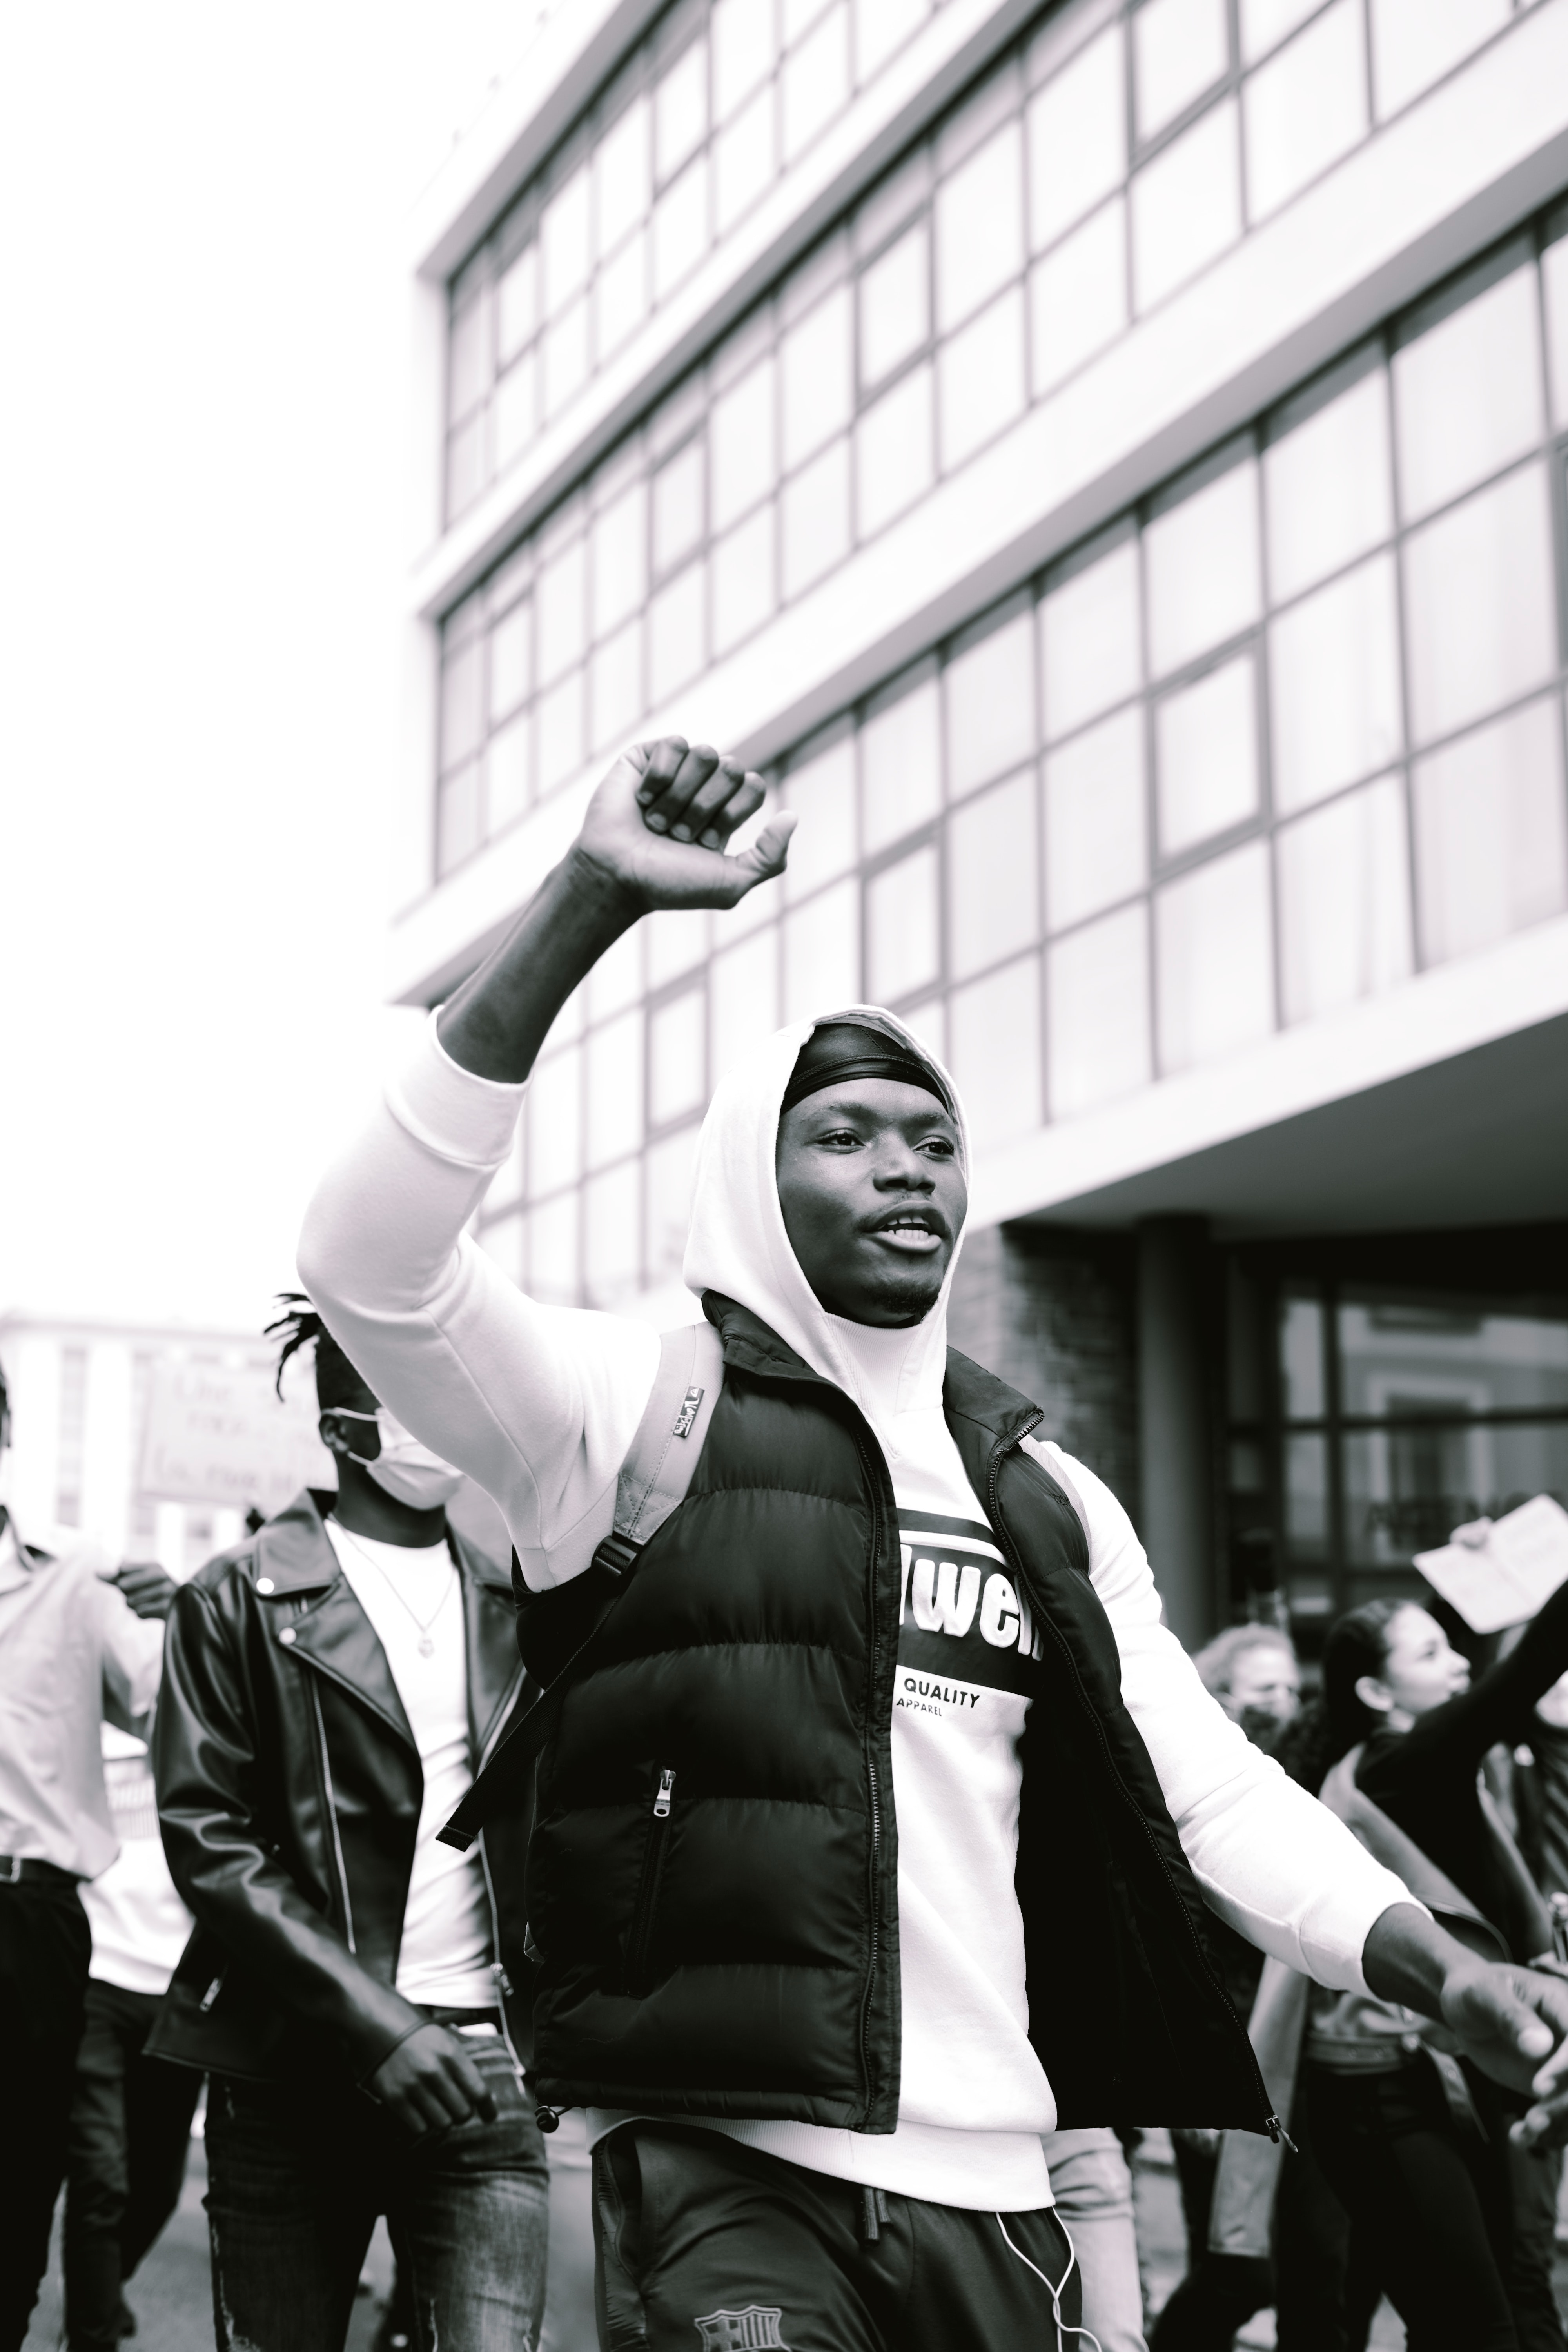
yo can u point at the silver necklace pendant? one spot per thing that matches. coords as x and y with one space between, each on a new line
427 1646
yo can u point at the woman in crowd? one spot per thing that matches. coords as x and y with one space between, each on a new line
1414 2140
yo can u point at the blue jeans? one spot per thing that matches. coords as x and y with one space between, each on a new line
298 2173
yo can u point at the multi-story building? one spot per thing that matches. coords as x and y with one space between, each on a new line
1107 463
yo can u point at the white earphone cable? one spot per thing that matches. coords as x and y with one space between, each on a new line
1056 2292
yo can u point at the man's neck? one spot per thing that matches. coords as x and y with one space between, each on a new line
367 1509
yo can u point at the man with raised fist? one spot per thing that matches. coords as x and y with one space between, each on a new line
879 1818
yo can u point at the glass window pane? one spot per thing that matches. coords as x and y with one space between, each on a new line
1333 675
903 931
622 168
677 1043
1413 41
678 506
1302 1380
980 227
894 458
1206 756
1327 487
1201 563
680 228
560 739
620 295
743 165
560 601
991 704
1213 959
993 868
677 939
816 81
466 465
1186 206
509 771
901 766
510 664
1078 138
1078 296
468 357
614 1085
1096 847
517 303
566 349
458 820
821 792
1307 1498
817 391
1466 393
741 445
895 305
1555 284
817 518
564 242
744 996
744 581
1480 604
742 39
616 687
462 703
1408 1488
1089 640
620 559
677 645
1344 903
993 1032
555 1122
881 27
1306 107
1490 855
1097 1005
669 1169
981 374
1266 22
517 409
1400 1350
822 953
1180 47
552 1231
612 1236
681 110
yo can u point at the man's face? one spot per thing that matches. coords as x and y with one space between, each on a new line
1264 1691
873 1198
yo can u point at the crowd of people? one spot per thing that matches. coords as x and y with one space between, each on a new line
810 1863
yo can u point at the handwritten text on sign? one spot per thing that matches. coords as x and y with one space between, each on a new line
216 1435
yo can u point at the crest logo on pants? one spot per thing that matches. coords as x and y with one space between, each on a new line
755 2329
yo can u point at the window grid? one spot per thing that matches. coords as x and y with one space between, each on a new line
865 379
1055 917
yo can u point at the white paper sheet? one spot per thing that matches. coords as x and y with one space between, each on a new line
1506 1580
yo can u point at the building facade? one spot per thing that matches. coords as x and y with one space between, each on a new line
1107 463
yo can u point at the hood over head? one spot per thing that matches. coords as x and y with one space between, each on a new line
738 1245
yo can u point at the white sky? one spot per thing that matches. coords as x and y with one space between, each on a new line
202 225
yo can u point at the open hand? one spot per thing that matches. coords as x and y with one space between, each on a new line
429 2083
661 822
1510 2020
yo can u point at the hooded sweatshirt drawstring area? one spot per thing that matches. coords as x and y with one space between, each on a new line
540 1405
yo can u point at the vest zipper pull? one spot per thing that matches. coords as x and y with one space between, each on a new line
1280 2135
666 1791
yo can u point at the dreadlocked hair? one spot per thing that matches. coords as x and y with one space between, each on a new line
1339 1721
298 1328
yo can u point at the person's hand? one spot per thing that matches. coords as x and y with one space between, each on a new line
660 824
1473 1535
148 1588
429 2083
1510 2021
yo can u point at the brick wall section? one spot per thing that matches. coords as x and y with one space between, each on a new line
1051 1311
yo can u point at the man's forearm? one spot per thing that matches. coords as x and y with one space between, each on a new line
497 1022
1407 1957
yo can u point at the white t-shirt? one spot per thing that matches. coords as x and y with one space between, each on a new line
413 1597
140 1926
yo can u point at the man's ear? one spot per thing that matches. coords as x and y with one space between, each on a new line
334 1436
1374 1694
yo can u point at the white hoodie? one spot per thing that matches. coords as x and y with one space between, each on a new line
540 1405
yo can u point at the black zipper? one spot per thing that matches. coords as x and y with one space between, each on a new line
647 1884
873 1679
993 1497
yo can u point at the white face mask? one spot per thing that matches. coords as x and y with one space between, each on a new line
403 1468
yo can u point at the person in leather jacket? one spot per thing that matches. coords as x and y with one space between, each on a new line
330 1687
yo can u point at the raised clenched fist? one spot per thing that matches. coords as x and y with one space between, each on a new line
662 823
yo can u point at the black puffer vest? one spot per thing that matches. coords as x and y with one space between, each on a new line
713 1875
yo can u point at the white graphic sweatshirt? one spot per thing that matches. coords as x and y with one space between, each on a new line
540 1405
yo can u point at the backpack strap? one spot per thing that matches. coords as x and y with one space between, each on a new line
653 1481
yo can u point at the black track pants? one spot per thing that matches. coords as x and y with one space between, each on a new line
708 2246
